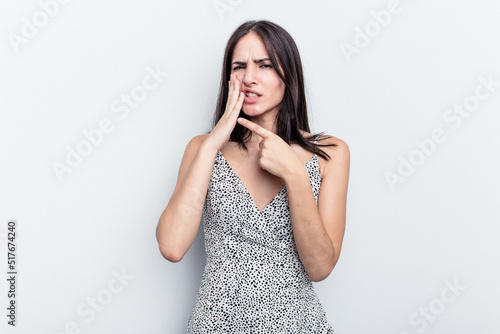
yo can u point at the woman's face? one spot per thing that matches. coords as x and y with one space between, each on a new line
262 86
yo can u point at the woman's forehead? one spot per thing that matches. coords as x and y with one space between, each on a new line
250 46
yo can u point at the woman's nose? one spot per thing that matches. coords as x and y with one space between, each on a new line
249 76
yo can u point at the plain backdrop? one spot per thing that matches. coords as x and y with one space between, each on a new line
413 87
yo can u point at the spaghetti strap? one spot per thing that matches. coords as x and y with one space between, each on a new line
315 143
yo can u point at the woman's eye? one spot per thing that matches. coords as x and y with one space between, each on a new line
262 66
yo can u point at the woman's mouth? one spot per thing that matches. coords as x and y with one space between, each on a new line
251 97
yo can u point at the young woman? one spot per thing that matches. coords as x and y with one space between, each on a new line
272 195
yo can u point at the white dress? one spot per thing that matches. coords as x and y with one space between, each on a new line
253 280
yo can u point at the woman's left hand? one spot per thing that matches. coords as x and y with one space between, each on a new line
276 156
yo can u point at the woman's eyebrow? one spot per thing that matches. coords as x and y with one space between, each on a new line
255 61
260 60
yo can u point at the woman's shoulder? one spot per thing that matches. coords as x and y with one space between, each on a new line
196 141
193 146
338 151
340 156
200 138
337 144
340 145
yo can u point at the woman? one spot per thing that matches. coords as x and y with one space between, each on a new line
273 198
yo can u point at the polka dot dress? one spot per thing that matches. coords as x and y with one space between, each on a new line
253 281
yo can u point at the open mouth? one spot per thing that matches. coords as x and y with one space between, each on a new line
251 95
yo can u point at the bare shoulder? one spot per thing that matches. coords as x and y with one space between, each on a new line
194 144
340 149
191 149
340 154
197 140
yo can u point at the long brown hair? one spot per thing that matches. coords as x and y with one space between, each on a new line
292 114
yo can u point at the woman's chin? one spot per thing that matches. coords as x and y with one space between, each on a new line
251 112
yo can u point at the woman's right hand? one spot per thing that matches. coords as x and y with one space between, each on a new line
222 131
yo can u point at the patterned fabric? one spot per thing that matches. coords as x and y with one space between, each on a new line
253 281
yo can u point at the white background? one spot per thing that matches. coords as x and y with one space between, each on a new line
403 244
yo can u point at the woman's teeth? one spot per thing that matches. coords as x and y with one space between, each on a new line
251 95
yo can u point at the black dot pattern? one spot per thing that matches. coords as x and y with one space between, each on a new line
253 280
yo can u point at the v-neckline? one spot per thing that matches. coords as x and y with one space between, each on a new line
246 189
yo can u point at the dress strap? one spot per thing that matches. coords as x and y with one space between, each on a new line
315 143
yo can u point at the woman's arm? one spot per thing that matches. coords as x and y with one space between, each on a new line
180 221
319 229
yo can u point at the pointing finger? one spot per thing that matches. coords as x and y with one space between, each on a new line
255 127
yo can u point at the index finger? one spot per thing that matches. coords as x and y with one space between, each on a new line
254 127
